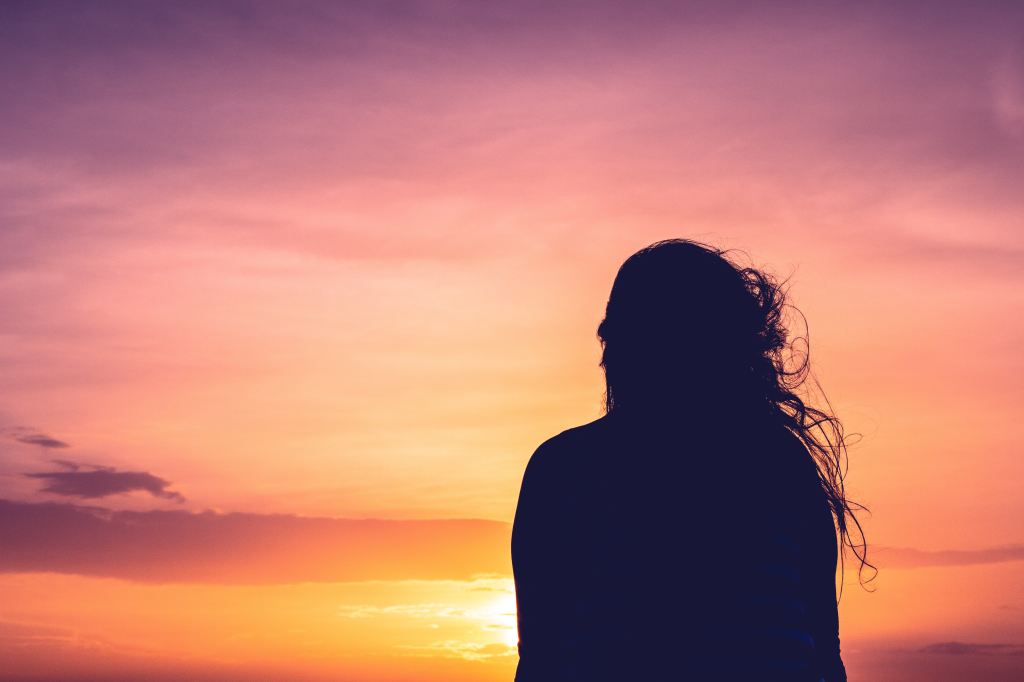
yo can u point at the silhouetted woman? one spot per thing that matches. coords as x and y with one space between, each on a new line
691 532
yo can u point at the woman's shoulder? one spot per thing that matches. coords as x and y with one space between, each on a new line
561 450
576 435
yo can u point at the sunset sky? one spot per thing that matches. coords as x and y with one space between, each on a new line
290 292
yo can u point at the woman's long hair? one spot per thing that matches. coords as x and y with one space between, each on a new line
687 329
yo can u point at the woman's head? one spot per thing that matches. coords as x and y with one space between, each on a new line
687 331
684 326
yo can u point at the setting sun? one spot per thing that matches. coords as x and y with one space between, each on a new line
291 292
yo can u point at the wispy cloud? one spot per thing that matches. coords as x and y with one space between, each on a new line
91 481
453 648
428 610
1008 93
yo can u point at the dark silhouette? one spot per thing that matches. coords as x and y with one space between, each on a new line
691 532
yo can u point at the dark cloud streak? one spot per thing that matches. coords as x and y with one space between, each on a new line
42 440
906 557
161 546
23 434
971 649
97 481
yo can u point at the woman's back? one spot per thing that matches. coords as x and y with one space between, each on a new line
689 533
642 550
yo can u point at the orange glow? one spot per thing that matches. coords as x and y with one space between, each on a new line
319 281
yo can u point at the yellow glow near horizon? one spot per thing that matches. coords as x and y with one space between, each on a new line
347 260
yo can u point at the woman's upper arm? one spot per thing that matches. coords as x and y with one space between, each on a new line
822 606
821 557
539 567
